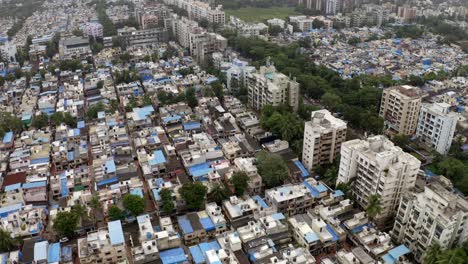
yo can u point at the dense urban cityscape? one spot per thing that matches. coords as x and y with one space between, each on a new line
234 131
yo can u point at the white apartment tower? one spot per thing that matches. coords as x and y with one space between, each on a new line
270 87
323 136
400 108
430 214
378 167
436 126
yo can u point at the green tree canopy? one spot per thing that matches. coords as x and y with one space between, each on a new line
167 202
115 213
240 180
193 195
374 206
65 223
272 168
134 204
218 193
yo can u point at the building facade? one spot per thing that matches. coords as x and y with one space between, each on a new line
400 108
430 214
436 126
377 167
270 87
323 136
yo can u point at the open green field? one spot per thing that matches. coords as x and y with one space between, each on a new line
253 14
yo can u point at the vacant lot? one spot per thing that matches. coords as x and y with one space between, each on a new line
252 14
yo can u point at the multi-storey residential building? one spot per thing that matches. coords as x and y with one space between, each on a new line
106 245
143 37
406 13
378 167
437 126
290 199
400 108
323 136
198 10
93 29
270 87
431 213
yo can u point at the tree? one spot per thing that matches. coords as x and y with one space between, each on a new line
218 193
218 90
65 223
115 213
330 100
318 23
240 180
40 121
134 204
354 41
6 241
373 206
95 205
401 140
274 30
190 97
167 202
432 253
69 120
80 211
193 195
272 168
454 256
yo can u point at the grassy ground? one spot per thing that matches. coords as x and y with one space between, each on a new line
252 14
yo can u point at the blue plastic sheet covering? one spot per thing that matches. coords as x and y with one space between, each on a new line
260 201
7 138
40 251
394 254
191 126
185 224
137 191
200 170
311 237
108 181
207 224
333 233
312 190
304 172
360 228
115 232
198 252
63 185
173 256
54 253
158 158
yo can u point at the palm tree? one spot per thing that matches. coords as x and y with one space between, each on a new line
95 205
80 211
373 206
432 253
218 193
456 256
6 241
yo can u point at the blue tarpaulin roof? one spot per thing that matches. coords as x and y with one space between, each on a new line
156 195
80 124
312 190
110 166
207 224
192 125
333 233
115 232
359 228
185 224
173 256
311 237
158 158
260 201
278 216
54 253
63 185
143 112
6 210
394 254
198 252
338 193
39 161
37 184
7 138
171 118
137 191
304 172
12 187
108 181
200 169
40 251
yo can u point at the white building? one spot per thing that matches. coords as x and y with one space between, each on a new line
431 214
378 167
270 87
436 126
323 136
93 29
276 22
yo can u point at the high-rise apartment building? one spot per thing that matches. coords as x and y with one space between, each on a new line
436 126
429 214
377 167
400 108
267 86
323 136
